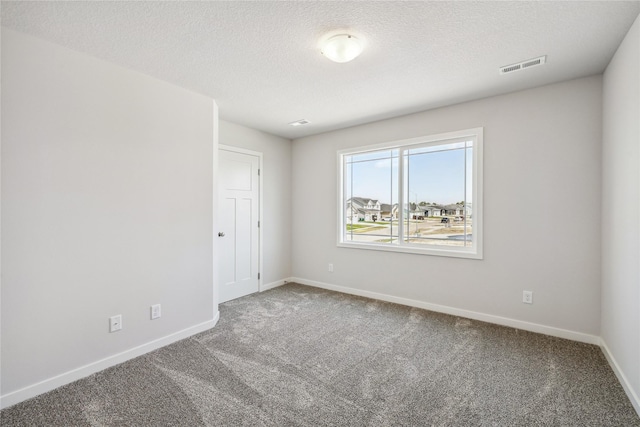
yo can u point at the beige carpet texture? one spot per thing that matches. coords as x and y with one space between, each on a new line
302 356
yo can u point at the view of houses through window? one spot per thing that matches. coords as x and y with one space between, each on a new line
417 195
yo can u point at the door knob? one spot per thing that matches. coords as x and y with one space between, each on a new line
221 234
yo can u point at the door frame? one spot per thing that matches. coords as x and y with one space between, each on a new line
258 154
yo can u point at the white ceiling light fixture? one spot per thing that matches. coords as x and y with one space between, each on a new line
341 48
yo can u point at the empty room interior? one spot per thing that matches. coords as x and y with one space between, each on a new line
320 213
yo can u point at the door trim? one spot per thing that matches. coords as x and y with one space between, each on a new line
258 154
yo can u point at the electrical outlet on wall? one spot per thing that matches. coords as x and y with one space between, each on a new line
115 323
527 297
155 311
330 268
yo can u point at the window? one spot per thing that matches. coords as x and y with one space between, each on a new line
422 195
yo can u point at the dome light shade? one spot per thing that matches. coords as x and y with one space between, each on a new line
342 48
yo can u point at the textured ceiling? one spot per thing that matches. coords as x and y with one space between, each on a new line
261 62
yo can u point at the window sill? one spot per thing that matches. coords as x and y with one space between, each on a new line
470 253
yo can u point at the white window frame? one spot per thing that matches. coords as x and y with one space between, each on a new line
472 252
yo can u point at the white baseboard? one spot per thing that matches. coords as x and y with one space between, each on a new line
49 384
633 396
274 284
489 318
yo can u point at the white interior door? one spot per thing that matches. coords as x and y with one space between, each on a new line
239 215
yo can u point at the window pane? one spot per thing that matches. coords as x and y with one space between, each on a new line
436 197
370 199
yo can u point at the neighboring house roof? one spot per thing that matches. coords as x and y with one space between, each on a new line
416 207
454 207
359 205
362 201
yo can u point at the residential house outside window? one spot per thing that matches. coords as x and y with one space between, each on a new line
422 195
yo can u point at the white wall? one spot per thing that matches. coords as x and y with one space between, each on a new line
276 180
621 212
107 200
541 212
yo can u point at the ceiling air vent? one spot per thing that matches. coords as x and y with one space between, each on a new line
299 122
522 65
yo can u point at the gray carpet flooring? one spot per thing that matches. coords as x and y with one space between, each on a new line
301 356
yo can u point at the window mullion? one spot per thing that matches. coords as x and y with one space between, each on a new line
464 201
351 194
401 197
390 197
